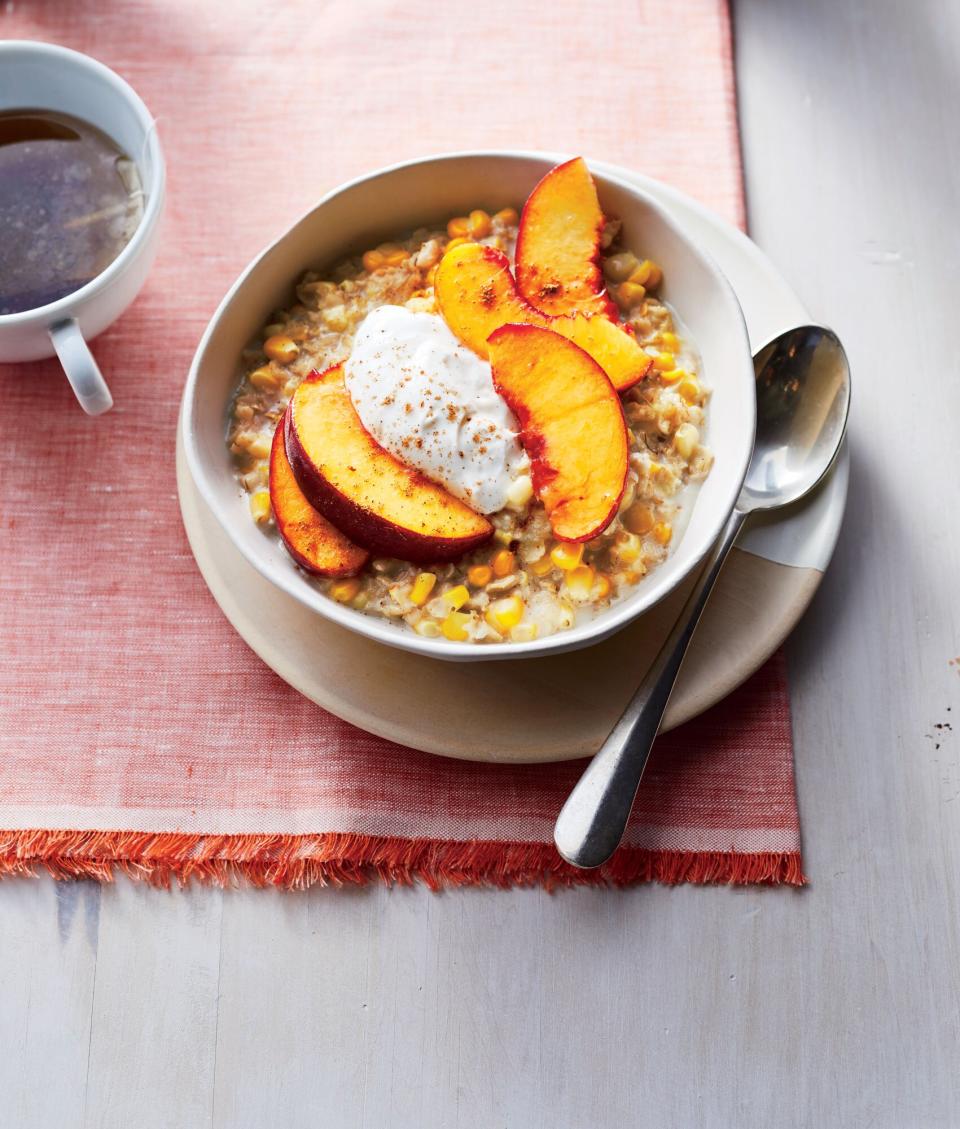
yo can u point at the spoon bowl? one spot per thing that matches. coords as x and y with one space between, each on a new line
803 397
803 400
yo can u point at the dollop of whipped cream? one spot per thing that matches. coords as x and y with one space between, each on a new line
430 401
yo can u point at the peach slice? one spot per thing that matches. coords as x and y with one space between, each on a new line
372 497
311 540
558 244
477 294
572 426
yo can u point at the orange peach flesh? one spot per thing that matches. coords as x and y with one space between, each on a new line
311 540
372 497
477 294
572 426
558 244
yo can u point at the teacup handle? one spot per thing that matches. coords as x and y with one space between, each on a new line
82 371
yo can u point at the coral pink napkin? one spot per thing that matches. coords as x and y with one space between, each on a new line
137 731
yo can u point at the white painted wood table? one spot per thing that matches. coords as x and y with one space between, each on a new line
833 1006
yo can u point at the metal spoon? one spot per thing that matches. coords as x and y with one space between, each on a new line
803 397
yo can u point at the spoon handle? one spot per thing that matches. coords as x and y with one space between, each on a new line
594 818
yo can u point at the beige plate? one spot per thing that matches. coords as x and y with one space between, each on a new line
560 707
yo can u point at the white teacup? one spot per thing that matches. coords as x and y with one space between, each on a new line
41 76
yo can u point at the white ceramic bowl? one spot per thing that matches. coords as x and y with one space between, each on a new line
377 207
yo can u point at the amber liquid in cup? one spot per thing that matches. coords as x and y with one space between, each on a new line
70 201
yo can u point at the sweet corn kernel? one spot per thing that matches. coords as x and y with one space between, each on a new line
454 627
523 633
360 601
686 439
629 493
343 591
507 216
456 597
542 566
639 519
619 267
520 492
260 505
265 379
422 587
566 555
626 548
641 272
479 575
630 294
671 376
502 536
504 614
273 329
670 341
601 590
689 390
647 274
428 628
662 532
503 563
567 616
259 448
395 258
372 260
428 255
664 362
335 317
459 226
478 224
283 350
579 582
653 468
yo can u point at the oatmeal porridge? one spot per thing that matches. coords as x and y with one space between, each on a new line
483 445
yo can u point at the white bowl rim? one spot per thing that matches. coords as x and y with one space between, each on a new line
605 623
64 307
